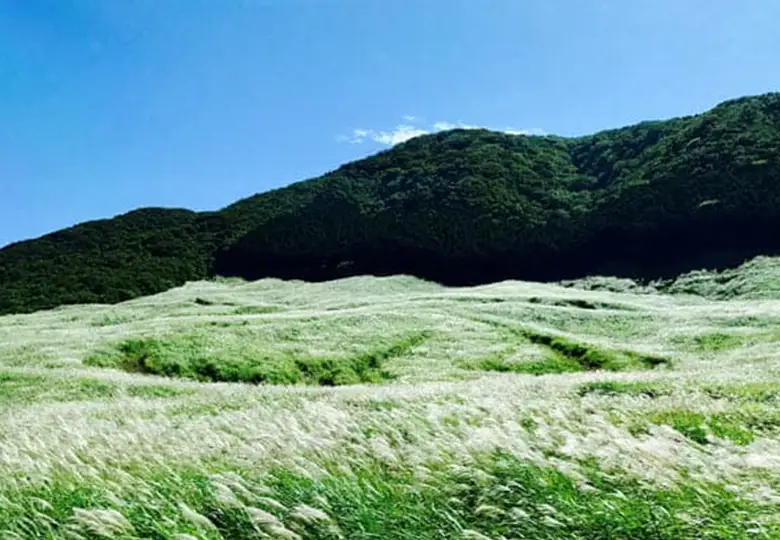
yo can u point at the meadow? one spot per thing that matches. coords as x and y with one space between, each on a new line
394 408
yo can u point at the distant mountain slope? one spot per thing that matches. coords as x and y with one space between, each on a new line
112 260
655 199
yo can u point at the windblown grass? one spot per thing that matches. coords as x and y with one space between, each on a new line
630 388
394 408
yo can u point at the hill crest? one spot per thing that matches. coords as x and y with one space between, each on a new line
464 206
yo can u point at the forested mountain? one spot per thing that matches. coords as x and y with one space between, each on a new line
462 206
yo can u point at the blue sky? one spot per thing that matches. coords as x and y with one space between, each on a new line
106 106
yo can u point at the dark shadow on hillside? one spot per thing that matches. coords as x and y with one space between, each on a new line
664 257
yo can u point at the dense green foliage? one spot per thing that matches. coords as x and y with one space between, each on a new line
650 200
136 254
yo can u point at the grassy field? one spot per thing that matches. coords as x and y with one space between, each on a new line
392 408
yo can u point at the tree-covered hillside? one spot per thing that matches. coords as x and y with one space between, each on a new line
460 206
475 206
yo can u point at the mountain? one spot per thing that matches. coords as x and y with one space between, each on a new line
459 207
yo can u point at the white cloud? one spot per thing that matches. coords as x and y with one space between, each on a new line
401 133
445 126
404 132
359 135
530 131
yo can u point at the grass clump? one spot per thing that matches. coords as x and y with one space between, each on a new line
717 341
111 319
760 419
729 427
630 388
698 427
591 357
256 310
689 423
194 357
761 392
566 356
711 342
549 365
155 391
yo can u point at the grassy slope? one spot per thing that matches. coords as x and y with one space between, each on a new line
442 449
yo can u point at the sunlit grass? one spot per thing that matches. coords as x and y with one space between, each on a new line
394 408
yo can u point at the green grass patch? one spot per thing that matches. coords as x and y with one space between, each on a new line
718 341
111 319
697 426
154 391
565 356
496 496
761 392
51 512
710 342
727 426
21 389
689 423
499 363
503 497
195 357
591 357
630 388
27 355
256 310
758 418
374 404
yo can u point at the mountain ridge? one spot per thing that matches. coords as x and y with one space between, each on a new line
461 207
